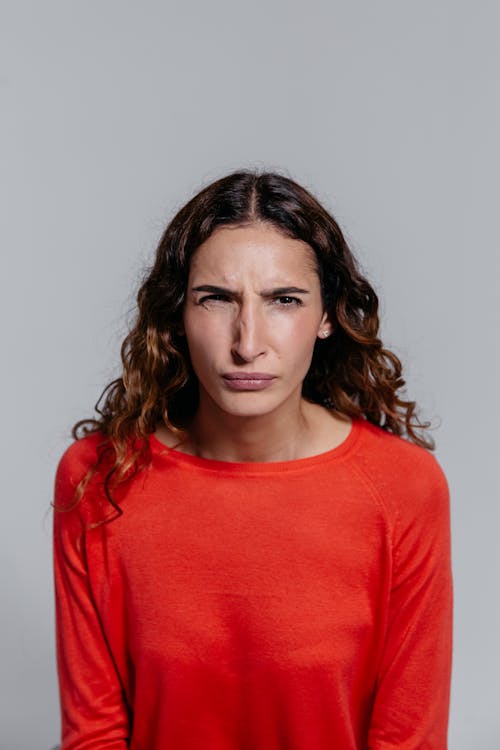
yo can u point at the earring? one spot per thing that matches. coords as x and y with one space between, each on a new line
324 334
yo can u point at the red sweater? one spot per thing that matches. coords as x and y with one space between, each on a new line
301 605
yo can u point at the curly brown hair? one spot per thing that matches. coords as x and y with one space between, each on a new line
350 372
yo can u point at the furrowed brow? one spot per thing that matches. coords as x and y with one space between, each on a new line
284 290
212 288
277 292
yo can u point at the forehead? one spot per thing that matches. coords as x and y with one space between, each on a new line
257 249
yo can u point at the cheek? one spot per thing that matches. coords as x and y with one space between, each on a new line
203 341
298 345
197 343
301 330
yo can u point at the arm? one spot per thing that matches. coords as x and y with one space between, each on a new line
411 705
93 710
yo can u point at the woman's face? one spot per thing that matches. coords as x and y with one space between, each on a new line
253 308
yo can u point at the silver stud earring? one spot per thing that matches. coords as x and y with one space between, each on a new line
324 334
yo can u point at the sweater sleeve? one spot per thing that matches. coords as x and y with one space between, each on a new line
94 715
410 710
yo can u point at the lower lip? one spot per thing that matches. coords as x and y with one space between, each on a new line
248 385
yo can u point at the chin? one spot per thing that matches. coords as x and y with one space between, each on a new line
250 404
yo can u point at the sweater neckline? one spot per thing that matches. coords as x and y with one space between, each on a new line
259 467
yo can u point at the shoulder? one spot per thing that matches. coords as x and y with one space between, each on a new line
407 478
77 460
387 454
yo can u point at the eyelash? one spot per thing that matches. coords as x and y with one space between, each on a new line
296 300
217 297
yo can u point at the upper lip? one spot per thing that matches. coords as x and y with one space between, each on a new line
248 375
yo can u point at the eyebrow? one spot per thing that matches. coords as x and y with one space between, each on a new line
278 291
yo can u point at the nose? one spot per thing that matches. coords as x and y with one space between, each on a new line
249 333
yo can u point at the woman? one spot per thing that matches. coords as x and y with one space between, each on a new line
252 541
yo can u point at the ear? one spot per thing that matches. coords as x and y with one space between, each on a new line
325 328
179 329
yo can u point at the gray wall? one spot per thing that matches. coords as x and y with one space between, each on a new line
114 113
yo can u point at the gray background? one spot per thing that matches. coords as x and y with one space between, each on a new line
114 114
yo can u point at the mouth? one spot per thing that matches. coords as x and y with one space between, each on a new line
248 381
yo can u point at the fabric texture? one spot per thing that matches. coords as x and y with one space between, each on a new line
298 605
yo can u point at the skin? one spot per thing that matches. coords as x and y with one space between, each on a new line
245 325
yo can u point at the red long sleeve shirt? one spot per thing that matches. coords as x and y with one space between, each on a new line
302 604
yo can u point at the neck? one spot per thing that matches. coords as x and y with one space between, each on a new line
277 436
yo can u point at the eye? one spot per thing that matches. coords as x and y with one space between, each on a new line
286 301
215 297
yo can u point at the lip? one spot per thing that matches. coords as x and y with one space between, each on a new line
248 381
247 376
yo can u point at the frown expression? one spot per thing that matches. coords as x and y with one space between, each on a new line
253 305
